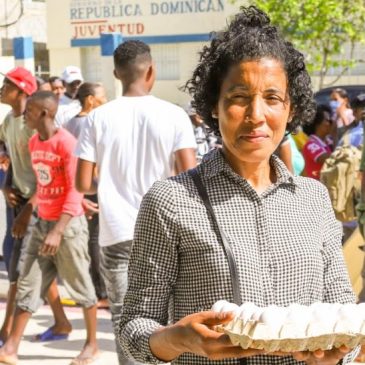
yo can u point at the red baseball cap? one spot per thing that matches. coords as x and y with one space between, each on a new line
23 79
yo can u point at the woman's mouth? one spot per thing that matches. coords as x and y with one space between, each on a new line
255 137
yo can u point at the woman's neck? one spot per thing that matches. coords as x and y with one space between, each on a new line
321 136
259 175
85 111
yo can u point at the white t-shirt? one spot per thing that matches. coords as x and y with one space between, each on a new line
132 140
67 109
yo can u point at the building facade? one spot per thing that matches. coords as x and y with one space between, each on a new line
176 30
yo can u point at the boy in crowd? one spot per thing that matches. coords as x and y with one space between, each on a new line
58 243
133 141
19 189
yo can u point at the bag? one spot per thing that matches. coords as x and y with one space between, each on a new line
340 174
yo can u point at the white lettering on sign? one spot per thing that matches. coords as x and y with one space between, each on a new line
186 7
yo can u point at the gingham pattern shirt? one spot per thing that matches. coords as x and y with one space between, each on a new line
286 242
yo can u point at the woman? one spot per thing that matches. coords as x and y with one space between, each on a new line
250 86
317 150
342 112
91 95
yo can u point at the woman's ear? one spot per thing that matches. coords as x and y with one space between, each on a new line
89 101
215 113
291 116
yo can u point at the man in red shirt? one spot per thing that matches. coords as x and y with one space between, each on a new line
317 150
59 240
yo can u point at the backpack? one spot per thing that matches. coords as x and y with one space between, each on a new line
340 174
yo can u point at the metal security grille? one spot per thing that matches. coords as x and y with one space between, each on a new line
166 57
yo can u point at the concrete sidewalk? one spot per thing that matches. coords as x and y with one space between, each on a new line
59 352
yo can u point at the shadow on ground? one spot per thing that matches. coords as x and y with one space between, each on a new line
77 345
104 324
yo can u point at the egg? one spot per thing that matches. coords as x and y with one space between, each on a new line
218 306
296 322
273 317
246 311
348 319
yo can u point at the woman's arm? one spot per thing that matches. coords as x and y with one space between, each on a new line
345 114
152 273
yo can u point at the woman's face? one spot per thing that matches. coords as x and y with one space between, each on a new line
337 97
253 110
324 128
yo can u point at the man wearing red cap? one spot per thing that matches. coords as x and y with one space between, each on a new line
19 188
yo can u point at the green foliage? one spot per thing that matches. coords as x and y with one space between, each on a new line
319 28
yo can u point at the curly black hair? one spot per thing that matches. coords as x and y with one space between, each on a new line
249 37
319 117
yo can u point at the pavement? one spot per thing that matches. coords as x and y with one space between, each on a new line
59 352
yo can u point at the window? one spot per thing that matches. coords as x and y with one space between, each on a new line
166 57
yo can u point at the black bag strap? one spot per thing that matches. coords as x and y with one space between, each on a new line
227 248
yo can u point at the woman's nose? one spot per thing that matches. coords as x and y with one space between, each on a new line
256 110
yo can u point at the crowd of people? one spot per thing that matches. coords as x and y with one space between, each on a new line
107 196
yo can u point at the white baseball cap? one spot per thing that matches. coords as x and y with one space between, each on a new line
71 74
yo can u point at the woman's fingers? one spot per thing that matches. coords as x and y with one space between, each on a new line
211 318
322 357
235 352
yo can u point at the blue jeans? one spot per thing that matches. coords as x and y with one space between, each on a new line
114 268
8 242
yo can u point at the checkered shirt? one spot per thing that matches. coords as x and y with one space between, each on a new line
286 242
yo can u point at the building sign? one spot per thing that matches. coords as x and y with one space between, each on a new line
145 19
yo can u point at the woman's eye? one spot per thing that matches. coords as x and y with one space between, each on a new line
240 96
274 99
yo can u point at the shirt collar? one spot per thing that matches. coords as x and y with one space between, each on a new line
315 138
214 163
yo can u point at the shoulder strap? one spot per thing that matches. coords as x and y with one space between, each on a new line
231 260
227 249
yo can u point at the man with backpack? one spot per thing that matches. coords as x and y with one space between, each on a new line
340 171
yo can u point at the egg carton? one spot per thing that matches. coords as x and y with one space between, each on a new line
319 326
254 335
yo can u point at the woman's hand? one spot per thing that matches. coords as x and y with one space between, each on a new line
195 334
319 357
